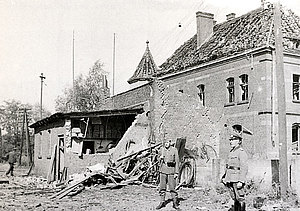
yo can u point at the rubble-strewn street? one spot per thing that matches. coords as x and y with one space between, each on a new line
32 193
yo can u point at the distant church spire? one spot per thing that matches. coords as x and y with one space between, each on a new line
146 67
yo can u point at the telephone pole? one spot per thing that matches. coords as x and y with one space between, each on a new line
73 72
41 108
283 166
1 144
114 62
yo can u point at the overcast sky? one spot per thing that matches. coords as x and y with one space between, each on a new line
36 37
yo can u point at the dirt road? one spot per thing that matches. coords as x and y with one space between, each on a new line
32 193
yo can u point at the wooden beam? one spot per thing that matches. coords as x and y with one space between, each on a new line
52 163
136 153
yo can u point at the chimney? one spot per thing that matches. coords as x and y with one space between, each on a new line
205 24
230 16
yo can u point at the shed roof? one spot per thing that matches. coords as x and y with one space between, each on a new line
59 116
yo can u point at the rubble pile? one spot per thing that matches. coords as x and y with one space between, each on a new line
140 167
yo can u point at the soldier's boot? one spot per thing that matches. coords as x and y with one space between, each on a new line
237 206
243 206
161 203
231 208
175 203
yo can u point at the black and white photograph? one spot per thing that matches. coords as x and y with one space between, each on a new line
140 105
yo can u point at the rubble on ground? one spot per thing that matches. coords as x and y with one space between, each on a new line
139 167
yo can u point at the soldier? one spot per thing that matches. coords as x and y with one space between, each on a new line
11 159
168 173
236 170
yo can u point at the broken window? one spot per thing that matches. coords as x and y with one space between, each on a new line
295 137
230 89
244 87
296 83
201 94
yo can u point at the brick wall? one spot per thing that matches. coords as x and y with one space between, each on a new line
178 112
132 97
79 165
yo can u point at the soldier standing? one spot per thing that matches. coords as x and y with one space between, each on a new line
236 171
168 173
11 159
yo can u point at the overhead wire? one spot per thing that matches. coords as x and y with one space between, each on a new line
172 40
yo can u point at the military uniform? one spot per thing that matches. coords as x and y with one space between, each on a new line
236 171
169 167
12 158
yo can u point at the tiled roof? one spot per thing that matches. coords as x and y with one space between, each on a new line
252 30
145 69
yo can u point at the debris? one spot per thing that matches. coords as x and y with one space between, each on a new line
258 201
4 181
99 167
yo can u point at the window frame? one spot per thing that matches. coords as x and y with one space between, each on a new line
295 126
201 94
244 87
230 86
294 84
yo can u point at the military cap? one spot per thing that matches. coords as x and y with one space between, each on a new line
235 134
238 130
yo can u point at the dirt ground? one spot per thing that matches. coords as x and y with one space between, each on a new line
32 193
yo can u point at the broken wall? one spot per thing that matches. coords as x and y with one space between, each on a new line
135 138
78 164
132 98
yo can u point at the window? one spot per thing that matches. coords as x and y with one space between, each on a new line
201 94
295 137
244 87
230 89
296 84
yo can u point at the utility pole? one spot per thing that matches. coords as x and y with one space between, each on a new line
1 144
41 108
29 156
283 167
73 71
22 137
114 61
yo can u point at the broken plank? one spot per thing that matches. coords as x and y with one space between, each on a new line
70 187
136 153
119 185
67 192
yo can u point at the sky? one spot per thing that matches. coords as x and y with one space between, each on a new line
36 37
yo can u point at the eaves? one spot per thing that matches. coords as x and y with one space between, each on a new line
218 62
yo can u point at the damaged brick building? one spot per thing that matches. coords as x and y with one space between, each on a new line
223 75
